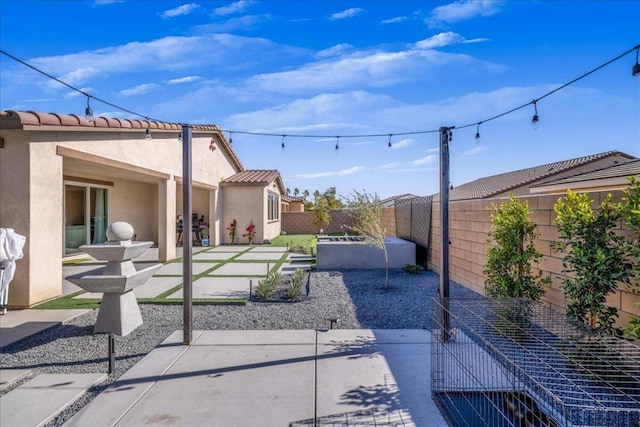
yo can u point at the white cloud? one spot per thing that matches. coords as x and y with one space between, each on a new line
236 7
343 172
425 160
241 23
445 39
138 90
185 9
403 143
463 10
339 49
187 79
395 20
74 94
349 13
474 151
390 165
106 2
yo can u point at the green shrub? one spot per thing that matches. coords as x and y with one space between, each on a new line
296 282
412 268
267 286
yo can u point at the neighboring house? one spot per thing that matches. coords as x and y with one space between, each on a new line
611 178
63 180
292 204
519 182
390 201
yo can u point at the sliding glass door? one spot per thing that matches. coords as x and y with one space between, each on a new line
85 215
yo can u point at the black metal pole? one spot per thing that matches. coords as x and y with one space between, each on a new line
187 237
445 133
112 353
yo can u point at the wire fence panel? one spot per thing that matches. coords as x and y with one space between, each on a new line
512 362
413 220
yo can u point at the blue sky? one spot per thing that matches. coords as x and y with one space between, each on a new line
343 68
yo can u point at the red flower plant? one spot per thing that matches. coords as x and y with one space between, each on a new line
251 232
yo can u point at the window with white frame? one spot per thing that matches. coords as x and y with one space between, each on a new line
273 207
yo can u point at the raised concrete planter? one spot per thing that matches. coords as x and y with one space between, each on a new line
354 254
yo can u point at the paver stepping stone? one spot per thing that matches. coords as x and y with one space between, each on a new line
215 256
289 268
175 268
230 248
260 256
242 269
269 249
10 376
219 287
39 400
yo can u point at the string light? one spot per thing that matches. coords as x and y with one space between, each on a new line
389 145
536 119
337 142
147 134
451 134
180 137
282 143
89 112
478 133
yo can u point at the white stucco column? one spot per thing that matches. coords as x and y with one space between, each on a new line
214 222
166 220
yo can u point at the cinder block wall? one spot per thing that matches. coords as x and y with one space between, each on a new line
469 223
302 222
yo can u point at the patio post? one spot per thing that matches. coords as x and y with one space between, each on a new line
445 134
187 237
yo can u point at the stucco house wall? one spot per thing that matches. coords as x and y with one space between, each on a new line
41 151
244 203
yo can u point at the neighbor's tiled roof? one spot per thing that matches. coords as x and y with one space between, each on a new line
31 119
630 168
288 198
493 185
256 176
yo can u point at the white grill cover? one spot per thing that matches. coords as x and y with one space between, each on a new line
11 244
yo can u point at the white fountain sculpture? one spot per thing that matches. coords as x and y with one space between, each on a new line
119 312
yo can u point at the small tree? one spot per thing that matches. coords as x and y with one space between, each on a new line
321 211
630 211
366 211
508 268
594 256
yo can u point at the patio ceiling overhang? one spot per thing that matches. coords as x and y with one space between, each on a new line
86 165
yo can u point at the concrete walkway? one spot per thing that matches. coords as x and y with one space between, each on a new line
275 378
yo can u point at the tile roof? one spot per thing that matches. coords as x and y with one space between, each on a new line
389 201
288 198
256 176
623 170
31 119
493 185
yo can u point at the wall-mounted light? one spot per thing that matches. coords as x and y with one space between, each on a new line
212 145
147 134
180 137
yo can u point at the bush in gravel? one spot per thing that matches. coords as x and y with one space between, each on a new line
268 285
296 281
412 268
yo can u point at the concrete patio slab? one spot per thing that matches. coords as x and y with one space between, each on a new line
273 378
10 376
175 268
230 248
19 324
215 256
242 269
218 287
260 256
46 404
154 287
269 249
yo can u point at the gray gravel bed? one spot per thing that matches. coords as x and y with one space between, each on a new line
357 297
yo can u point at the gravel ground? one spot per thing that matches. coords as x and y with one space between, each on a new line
357 297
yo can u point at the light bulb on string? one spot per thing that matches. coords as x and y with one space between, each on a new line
337 143
147 134
282 143
536 119
389 144
180 137
478 133
635 70
230 138
88 112
450 135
